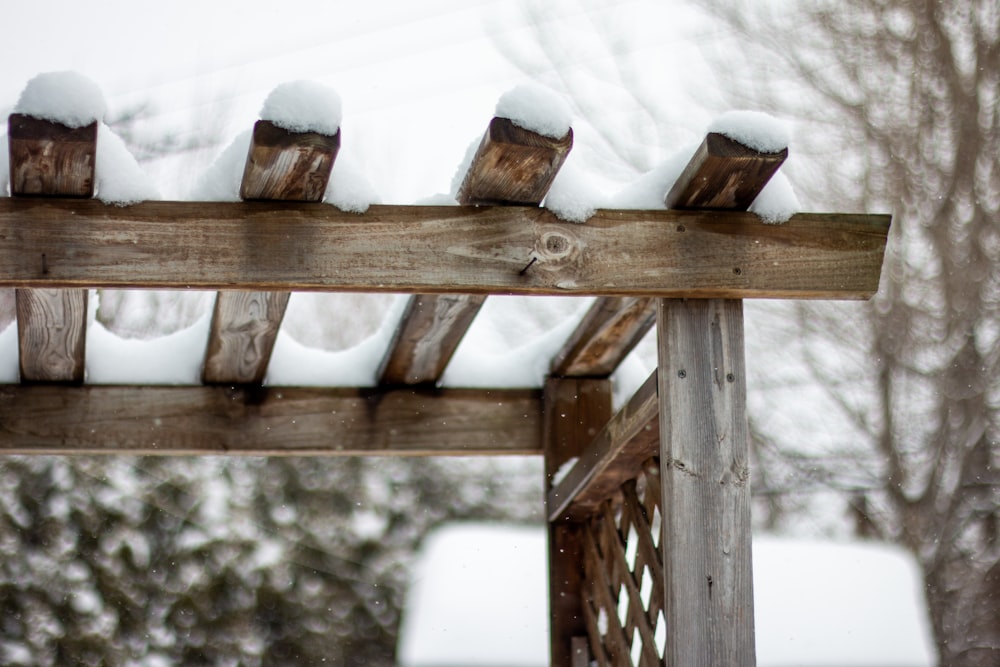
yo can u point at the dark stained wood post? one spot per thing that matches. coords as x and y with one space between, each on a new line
574 412
50 159
705 477
511 166
281 166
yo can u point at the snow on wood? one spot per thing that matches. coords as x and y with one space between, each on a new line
67 98
754 129
303 106
536 109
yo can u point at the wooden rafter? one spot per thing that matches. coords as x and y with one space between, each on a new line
512 165
280 166
50 159
44 419
443 249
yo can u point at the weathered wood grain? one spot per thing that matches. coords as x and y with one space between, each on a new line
288 166
280 166
52 160
608 332
51 335
704 469
513 165
53 419
574 410
615 455
241 338
724 175
431 328
49 159
423 249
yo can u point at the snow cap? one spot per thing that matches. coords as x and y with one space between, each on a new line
303 106
536 109
68 98
753 129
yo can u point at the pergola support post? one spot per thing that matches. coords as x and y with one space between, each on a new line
575 409
704 470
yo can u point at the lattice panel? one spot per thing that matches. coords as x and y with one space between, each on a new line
623 559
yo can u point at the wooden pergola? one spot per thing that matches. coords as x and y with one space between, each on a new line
650 556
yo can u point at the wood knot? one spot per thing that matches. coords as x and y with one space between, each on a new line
556 247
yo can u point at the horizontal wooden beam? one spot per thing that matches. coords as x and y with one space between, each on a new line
617 453
51 419
437 249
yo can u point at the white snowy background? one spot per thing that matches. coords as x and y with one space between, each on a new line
416 83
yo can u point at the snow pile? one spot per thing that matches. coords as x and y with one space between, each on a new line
753 129
306 107
775 204
62 97
9 359
460 567
303 106
73 100
349 189
574 196
862 606
120 179
513 339
649 191
296 364
536 109
221 181
174 359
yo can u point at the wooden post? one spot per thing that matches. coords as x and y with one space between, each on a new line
574 412
511 166
281 166
704 463
50 159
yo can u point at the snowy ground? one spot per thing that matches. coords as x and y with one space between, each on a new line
479 598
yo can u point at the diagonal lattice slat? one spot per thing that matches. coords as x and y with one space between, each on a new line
623 596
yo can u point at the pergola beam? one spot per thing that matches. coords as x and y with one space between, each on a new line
512 165
628 439
275 421
263 246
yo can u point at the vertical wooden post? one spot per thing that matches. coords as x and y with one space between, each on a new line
708 588
575 410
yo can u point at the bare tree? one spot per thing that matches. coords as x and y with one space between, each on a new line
909 93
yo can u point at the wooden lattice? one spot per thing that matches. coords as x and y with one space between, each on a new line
623 558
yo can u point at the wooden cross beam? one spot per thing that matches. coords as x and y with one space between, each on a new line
276 421
264 246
